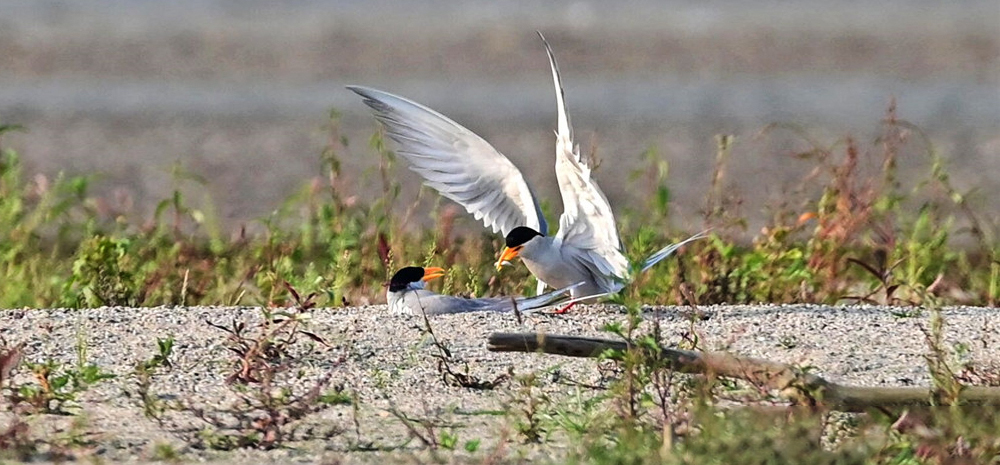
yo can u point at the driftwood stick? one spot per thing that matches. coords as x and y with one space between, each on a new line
795 385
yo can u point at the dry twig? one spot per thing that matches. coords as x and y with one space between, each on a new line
795 385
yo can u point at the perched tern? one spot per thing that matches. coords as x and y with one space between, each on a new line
406 295
468 170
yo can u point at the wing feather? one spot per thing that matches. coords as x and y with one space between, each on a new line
587 221
457 163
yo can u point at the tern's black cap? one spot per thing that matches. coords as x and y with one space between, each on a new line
404 277
519 236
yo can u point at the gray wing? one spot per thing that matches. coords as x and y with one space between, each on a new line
447 305
587 222
438 304
424 302
457 163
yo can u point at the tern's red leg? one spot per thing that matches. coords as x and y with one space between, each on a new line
565 309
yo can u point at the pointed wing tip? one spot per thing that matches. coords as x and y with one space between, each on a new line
371 94
548 49
365 92
564 127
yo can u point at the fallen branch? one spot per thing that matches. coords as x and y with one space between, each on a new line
795 385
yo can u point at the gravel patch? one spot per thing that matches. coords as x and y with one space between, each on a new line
388 361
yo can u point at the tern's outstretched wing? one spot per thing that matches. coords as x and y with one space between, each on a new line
587 222
457 163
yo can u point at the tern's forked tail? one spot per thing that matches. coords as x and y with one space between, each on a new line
669 250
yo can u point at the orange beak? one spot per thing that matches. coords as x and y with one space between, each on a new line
508 254
433 272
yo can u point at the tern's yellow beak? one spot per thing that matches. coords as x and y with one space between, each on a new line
432 272
508 254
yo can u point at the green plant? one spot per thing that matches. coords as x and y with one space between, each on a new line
448 440
428 430
54 391
844 232
146 371
528 406
266 379
103 274
56 387
472 445
163 452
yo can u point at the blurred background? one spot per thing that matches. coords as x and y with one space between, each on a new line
239 92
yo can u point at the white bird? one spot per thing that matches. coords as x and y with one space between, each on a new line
407 296
466 169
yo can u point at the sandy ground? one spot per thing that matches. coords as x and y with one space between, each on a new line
389 363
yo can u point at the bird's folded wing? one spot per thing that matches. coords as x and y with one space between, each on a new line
457 163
